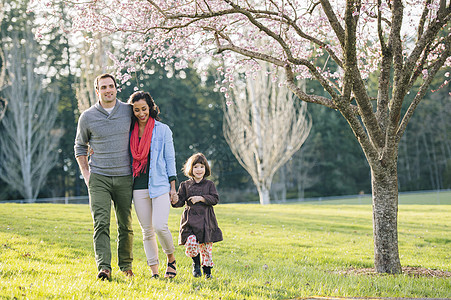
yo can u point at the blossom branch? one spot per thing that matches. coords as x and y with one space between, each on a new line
354 81
423 18
380 32
403 74
338 29
428 36
303 96
263 28
423 89
287 20
399 85
384 76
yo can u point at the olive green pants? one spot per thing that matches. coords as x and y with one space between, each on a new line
103 190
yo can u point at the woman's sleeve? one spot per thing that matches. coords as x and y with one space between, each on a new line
169 155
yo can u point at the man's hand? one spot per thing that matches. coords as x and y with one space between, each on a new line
84 168
86 176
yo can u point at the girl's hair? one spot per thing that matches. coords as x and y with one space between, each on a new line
139 95
195 159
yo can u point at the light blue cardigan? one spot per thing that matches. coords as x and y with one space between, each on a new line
162 160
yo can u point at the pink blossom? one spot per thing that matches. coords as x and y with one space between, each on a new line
135 24
425 73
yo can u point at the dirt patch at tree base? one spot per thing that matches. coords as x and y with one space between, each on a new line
363 298
409 271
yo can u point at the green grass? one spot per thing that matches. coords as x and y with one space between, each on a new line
271 252
425 198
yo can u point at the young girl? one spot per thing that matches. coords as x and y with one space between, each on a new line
198 226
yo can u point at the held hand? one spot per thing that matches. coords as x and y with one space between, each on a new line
173 195
174 198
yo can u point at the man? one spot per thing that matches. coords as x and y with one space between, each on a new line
105 128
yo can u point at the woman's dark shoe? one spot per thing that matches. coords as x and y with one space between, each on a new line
155 276
207 272
171 274
196 266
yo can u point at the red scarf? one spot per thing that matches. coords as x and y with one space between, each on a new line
140 148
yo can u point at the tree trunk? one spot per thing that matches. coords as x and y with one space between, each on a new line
283 179
385 210
263 192
300 190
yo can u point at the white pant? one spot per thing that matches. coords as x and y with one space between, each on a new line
153 217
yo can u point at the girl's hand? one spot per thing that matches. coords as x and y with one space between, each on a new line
195 199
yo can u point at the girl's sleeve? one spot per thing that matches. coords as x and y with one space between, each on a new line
212 196
182 196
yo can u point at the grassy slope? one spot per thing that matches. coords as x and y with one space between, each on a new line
271 252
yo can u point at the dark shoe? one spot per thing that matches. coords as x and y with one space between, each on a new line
207 272
196 270
155 276
104 274
128 273
196 266
170 274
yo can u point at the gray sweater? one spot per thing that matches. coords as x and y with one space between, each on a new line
108 136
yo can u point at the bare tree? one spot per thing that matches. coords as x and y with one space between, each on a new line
28 138
3 102
301 168
264 126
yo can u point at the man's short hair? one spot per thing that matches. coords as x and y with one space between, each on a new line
105 75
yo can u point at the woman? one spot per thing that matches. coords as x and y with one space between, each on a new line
154 176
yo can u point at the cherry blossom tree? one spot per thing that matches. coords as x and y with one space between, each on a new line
406 42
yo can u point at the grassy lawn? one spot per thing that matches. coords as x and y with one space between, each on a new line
271 252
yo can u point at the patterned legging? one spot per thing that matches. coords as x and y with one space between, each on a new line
193 248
